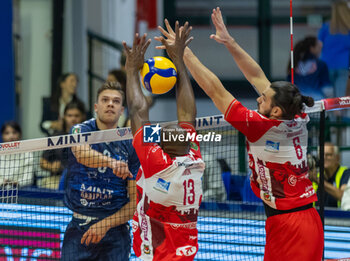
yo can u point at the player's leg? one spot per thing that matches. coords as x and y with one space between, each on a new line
116 244
294 237
72 249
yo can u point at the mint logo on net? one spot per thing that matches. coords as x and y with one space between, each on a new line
151 133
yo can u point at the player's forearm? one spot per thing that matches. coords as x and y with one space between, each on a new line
333 191
248 66
205 78
122 216
186 106
126 212
135 98
91 158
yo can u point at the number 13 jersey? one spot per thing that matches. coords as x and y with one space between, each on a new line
169 192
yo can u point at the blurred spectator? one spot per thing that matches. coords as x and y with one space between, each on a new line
345 202
311 74
15 169
53 108
55 161
335 176
336 46
116 75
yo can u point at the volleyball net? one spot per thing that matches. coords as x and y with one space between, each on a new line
34 217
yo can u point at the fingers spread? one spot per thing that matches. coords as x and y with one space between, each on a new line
145 46
136 37
165 33
188 41
160 47
163 41
157 38
168 27
177 33
82 241
126 48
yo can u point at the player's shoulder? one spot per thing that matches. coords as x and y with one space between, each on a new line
86 126
126 144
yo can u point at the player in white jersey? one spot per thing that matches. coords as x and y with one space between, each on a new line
276 144
169 187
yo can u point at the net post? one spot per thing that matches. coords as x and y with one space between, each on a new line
321 182
242 153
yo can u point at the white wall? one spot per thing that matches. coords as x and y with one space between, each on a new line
35 28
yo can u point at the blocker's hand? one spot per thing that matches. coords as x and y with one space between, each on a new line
176 47
135 55
221 35
95 233
169 35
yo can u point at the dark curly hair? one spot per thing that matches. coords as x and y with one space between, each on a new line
289 99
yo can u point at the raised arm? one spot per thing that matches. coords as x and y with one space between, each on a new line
251 70
206 79
186 105
93 159
137 103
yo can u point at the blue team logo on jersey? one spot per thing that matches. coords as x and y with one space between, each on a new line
162 185
272 146
151 133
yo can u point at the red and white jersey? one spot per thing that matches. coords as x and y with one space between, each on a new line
169 192
277 156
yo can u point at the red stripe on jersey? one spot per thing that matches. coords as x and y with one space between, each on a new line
251 123
152 158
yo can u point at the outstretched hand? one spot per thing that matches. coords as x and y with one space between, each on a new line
135 55
175 47
221 35
170 35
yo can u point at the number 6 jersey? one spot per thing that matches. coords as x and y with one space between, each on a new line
169 192
277 156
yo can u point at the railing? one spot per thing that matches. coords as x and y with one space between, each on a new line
93 40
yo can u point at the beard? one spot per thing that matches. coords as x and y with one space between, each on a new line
267 113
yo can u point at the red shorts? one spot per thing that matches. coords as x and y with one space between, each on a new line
296 236
164 241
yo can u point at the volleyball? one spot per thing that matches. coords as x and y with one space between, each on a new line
158 75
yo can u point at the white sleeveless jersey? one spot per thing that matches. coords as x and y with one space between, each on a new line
171 185
169 193
277 156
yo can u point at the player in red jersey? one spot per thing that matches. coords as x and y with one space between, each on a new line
169 187
276 143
